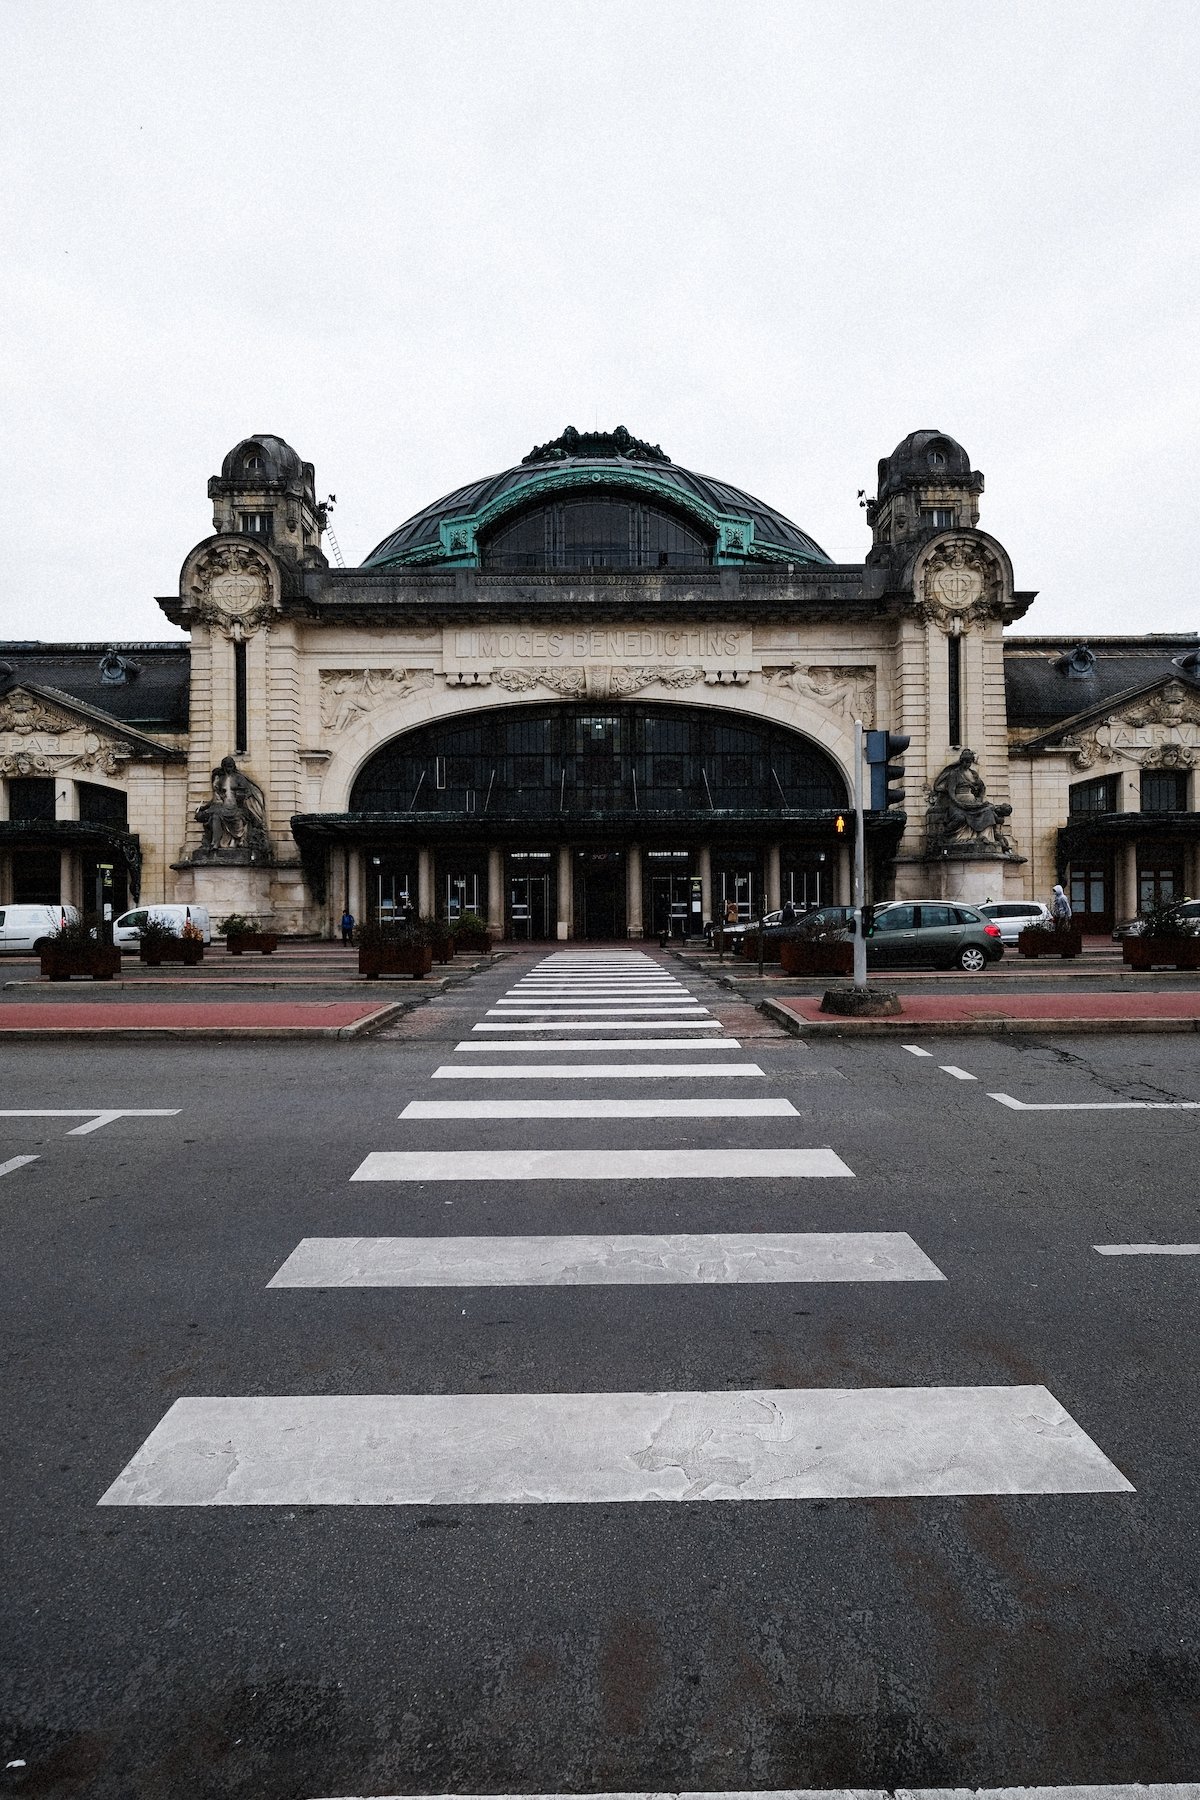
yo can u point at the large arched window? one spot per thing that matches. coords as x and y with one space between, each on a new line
544 761
597 531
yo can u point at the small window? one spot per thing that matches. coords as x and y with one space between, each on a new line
937 915
942 518
967 918
1097 796
258 524
896 918
1164 790
252 462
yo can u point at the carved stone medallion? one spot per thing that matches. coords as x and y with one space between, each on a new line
960 585
230 587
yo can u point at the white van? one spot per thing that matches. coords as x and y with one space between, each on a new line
29 927
127 929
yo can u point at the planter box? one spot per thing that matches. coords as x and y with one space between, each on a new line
824 957
183 952
1161 953
748 949
388 959
473 943
443 948
100 964
238 942
1051 943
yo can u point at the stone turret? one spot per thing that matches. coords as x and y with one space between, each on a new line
927 484
264 491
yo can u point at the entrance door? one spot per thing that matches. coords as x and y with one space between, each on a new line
805 881
667 886
1090 888
737 888
463 890
600 894
391 886
530 918
1160 880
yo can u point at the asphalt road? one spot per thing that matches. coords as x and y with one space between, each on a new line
300 1647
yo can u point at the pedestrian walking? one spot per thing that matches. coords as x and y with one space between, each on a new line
788 916
347 927
1060 909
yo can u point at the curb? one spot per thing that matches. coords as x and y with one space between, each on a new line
801 1027
364 1027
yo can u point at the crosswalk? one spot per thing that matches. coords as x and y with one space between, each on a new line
591 1447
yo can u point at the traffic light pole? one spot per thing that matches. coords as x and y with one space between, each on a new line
860 942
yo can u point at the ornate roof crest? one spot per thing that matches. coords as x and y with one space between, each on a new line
596 443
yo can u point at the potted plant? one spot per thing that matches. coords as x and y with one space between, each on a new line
242 934
1163 942
1049 938
77 948
817 950
472 935
439 934
159 943
394 950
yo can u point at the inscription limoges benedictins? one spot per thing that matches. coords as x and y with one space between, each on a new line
704 644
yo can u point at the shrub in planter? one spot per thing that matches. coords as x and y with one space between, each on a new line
1050 939
472 935
77 948
394 950
159 942
816 955
439 934
1163 943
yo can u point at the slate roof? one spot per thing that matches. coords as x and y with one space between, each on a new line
1040 689
156 698
770 527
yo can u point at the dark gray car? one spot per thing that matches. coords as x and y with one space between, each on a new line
932 934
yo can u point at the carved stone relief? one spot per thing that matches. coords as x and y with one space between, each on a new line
593 681
346 694
230 588
960 813
961 584
22 713
1162 730
848 691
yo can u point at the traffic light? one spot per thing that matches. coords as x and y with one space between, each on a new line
884 750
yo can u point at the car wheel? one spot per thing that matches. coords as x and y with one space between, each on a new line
971 960
40 945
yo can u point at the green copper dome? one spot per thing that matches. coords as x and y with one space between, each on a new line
598 499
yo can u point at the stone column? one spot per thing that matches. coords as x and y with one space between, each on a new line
1127 885
774 880
69 878
495 891
633 892
425 882
564 891
66 799
357 889
704 869
842 876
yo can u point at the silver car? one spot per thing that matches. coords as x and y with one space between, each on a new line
1014 916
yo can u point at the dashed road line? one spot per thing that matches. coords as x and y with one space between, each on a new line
14 1163
958 1074
1096 1105
1147 1249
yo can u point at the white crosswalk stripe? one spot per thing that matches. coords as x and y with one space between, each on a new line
691 1045
678 1259
599 1165
531 1449
591 1071
626 1108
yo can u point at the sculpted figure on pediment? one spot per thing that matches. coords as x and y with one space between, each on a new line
346 694
848 691
28 762
22 713
1161 729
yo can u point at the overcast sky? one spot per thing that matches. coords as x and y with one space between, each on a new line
415 240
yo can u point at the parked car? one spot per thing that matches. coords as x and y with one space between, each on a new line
127 930
1014 916
775 925
28 928
932 934
1186 914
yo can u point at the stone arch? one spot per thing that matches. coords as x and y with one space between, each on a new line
432 705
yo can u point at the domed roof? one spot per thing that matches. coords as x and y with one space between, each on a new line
745 529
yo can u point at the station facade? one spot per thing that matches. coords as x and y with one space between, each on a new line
592 696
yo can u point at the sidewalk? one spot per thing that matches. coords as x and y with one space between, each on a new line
986 1014
195 1019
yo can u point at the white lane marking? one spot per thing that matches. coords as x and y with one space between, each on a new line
1147 1249
595 1009
599 1165
603 1025
1096 1105
958 1074
589 1071
15 1162
1126 1790
691 1045
629 1107
523 1449
676 1259
95 1115
916 1050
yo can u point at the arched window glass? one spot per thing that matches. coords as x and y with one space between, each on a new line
542 762
597 531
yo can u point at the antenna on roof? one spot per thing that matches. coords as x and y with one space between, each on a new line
327 508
